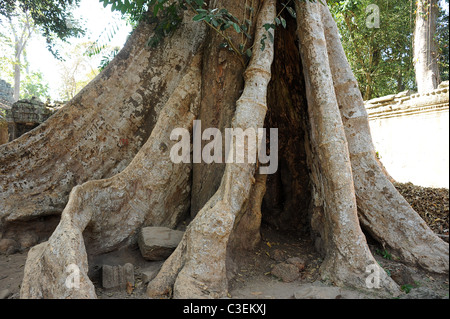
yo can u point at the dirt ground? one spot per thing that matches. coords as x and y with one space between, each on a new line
253 278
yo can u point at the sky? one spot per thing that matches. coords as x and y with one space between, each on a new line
95 18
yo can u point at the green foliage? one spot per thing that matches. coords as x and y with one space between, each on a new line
34 85
107 58
166 16
109 32
382 58
384 253
52 17
386 270
407 288
442 38
6 62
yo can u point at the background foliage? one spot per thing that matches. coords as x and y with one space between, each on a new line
382 58
53 18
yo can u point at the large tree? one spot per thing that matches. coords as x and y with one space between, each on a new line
101 168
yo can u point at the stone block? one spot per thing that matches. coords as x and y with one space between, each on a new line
278 255
117 277
150 272
158 243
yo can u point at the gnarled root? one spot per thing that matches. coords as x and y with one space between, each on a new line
246 234
347 256
197 269
382 210
97 134
152 190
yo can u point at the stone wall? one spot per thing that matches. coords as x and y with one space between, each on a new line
25 115
6 100
411 135
6 93
3 130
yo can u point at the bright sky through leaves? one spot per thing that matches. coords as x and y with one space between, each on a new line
95 19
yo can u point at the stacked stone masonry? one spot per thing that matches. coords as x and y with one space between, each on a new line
6 93
407 103
6 100
25 115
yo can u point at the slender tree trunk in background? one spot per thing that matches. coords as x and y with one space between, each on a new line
368 92
400 83
425 46
16 94
100 169
18 49
21 38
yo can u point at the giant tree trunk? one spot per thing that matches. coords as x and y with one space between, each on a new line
425 46
96 134
111 148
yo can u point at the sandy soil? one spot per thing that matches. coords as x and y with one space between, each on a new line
253 278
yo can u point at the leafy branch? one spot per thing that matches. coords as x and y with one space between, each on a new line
166 15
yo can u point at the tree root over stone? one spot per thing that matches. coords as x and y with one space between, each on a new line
151 191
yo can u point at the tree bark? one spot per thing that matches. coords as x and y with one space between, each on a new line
107 214
96 134
16 94
197 269
425 46
114 174
383 211
347 255
287 200
222 82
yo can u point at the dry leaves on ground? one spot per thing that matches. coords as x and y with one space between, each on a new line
432 204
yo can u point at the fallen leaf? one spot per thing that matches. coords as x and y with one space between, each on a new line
130 288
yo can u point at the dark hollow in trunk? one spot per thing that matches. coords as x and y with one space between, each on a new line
288 195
